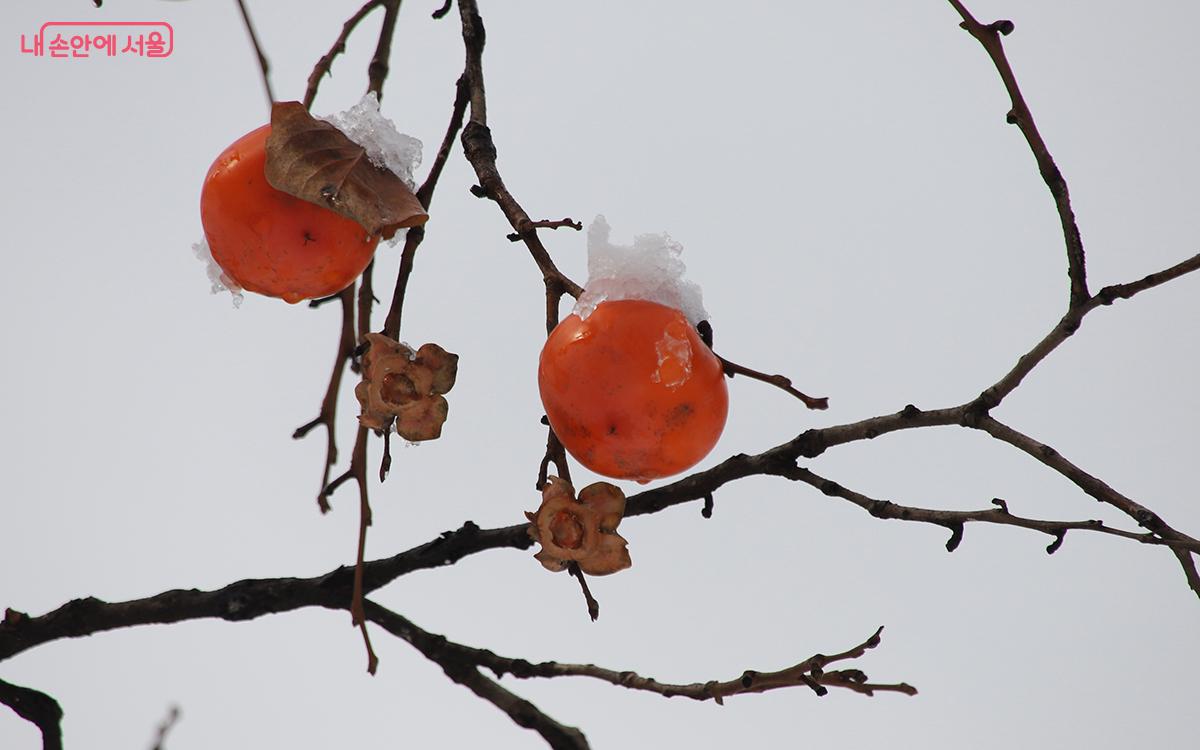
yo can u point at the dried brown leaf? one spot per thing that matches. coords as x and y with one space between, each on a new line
316 162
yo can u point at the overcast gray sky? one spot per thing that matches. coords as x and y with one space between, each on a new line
859 216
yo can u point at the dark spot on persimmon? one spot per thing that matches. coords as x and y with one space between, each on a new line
679 415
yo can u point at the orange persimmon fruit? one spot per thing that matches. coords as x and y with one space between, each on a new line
631 391
270 242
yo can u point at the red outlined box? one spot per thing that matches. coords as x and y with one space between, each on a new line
142 38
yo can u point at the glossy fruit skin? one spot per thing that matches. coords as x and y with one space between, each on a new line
270 242
632 392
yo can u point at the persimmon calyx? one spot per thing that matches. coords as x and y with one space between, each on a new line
406 386
580 530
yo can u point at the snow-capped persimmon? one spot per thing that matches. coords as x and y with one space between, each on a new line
271 242
631 391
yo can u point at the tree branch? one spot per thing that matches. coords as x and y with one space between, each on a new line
377 71
38 709
779 381
481 152
989 36
324 65
452 658
954 520
263 65
548 224
1066 327
253 598
328 413
165 727
810 672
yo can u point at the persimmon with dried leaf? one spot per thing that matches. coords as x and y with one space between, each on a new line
270 242
631 391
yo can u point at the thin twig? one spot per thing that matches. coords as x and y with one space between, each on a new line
954 520
38 709
1070 322
413 239
457 112
262 57
320 301
358 472
554 453
391 324
1090 484
164 728
779 381
547 224
480 151
454 660
593 606
324 65
988 35
554 448
809 673
366 299
328 413
377 71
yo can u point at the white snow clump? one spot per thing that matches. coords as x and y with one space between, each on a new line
386 147
216 276
649 269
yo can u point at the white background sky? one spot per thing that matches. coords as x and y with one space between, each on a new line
859 216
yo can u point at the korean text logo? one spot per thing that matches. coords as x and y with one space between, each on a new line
82 39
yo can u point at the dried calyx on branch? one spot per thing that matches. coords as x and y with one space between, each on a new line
406 386
580 530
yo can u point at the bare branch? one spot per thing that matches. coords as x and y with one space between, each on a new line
322 68
956 519
457 112
593 606
164 728
377 71
554 448
1109 294
391 324
1183 546
38 709
779 381
263 65
455 662
328 413
1070 323
547 224
251 598
989 36
1090 484
810 672
358 472
481 152
554 453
